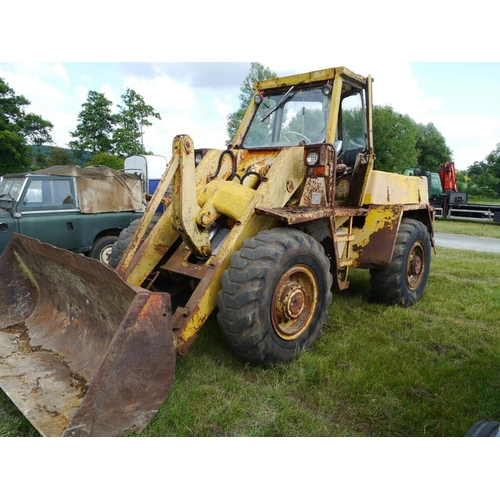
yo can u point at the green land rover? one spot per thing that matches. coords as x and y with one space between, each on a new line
78 209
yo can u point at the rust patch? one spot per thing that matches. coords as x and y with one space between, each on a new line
21 337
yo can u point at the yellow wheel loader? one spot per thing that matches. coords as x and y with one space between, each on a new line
261 231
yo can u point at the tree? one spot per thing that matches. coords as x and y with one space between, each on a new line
257 72
432 150
107 160
395 139
484 176
18 130
60 156
95 126
128 138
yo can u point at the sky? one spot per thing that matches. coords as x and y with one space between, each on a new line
461 99
436 61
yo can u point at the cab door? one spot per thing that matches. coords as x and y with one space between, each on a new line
49 212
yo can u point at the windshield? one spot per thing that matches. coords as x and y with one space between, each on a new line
10 189
287 117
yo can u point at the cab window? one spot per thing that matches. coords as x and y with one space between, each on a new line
48 194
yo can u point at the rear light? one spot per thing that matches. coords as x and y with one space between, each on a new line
316 171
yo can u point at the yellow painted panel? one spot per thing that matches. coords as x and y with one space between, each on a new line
386 188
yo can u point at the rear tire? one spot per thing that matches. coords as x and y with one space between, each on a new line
403 281
102 247
275 296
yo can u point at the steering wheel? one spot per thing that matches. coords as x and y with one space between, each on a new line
306 139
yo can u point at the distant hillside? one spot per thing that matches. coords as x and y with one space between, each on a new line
46 150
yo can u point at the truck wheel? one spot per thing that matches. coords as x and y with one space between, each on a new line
403 281
101 250
122 243
275 296
125 238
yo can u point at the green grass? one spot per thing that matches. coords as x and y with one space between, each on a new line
486 201
429 370
471 228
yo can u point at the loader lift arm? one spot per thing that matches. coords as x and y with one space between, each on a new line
140 259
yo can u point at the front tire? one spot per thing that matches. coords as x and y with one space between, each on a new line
122 242
125 239
275 296
403 281
102 247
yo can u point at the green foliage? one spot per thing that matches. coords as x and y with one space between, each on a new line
395 140
108 160
15 154
257 73
18 130
60 156
41 160
95 126
401 143
484 176
131 120
432 150
101 131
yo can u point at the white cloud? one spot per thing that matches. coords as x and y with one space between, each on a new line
463 126
55 71
467 154
41 94
163 93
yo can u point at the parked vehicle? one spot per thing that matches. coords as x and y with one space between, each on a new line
77 209
446 199
149 167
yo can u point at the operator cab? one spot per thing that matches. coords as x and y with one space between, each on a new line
300 116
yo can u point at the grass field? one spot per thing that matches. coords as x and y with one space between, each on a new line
471 228
429 370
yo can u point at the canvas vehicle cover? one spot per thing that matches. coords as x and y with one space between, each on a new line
106 189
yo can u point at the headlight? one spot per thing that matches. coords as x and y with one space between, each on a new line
312 158
258 98
326 89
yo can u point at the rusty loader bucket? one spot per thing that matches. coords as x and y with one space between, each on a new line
82 353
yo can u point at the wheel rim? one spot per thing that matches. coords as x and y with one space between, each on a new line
294 301
106 254
416 266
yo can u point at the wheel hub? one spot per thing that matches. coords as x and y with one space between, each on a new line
415 268
291 301
294 302
416 265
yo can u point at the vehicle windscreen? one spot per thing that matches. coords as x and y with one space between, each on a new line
288 117
10 189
